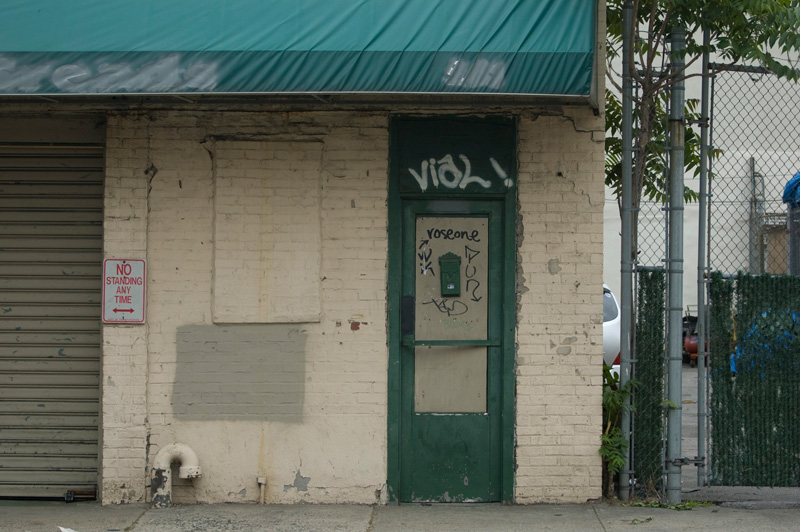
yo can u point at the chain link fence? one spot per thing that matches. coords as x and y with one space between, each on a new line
754 369
648 364
755 375
648 414
756 136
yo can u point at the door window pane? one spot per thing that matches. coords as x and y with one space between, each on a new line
449 379
441 315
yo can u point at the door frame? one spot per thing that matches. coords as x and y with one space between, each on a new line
508 201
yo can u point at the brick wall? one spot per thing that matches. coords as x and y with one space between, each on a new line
125 348
304 403
267 223
559 334
285 402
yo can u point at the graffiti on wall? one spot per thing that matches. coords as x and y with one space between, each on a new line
447 173
440 316
456 307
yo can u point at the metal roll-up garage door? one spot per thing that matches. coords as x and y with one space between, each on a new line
51 238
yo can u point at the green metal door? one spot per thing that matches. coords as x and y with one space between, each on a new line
451 313
451 352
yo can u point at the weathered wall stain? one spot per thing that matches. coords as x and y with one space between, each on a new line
240 372
160 497
300 483
553 266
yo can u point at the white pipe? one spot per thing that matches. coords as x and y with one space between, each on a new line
178 452
161 484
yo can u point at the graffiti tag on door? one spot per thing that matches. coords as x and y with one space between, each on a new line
449 174
443 317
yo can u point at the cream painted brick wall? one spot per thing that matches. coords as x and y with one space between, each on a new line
559 336
337 374
159 205
267 231
124 365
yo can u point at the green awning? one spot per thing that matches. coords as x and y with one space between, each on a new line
50 47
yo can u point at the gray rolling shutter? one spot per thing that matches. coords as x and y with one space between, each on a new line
51 238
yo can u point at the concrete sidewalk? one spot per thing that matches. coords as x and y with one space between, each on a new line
91 517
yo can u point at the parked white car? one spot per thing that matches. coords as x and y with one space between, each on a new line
611 330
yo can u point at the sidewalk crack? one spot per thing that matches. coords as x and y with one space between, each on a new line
135 521
594 509
370 524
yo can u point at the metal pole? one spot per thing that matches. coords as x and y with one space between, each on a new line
794 238
675 270
626 266
756 265
701 274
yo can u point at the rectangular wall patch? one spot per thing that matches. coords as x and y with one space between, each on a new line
267 237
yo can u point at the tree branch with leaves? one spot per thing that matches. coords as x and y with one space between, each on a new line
754 32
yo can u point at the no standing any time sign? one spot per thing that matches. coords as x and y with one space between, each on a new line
124 291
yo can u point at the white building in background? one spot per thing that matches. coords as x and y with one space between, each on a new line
653 226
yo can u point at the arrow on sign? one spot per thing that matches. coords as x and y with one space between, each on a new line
123 310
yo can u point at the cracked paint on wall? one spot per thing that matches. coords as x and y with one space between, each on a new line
553 266
300 483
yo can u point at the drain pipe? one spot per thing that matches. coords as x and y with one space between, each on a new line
262 487
161 483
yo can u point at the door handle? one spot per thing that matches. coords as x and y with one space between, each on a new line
407 310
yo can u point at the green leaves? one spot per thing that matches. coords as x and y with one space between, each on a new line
613 444
612 448
654 184
681 506
753 32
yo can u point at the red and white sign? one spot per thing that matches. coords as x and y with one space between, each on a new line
124 290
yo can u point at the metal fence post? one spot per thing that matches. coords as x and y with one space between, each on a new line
626 280
702 342
675 269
